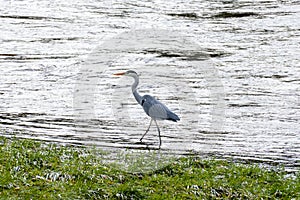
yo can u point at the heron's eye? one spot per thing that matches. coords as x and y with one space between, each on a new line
143 101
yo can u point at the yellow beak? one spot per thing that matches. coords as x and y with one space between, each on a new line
119 74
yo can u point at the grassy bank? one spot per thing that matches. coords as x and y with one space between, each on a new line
34 170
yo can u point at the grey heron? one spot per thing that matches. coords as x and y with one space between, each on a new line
152 107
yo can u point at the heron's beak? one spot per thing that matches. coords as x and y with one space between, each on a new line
119 74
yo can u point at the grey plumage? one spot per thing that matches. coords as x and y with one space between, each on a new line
152 107
155 109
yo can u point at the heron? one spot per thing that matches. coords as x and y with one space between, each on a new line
152 107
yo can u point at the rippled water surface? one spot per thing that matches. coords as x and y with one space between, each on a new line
229 69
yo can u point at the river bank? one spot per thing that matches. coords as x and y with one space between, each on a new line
37 170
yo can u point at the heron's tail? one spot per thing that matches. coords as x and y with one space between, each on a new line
173 117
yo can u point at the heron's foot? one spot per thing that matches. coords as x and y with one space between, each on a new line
141 141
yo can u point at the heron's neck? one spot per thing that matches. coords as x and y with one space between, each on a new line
136 95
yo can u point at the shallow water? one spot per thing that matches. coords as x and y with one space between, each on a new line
229 69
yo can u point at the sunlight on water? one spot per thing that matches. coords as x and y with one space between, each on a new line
230 70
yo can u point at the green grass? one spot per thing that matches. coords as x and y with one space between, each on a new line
35 170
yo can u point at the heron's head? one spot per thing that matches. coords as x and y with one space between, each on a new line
127 73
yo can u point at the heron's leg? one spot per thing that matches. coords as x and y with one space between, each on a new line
158 133
147 130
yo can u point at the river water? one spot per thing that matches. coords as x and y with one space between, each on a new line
229 69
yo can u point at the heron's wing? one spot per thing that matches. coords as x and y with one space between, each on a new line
158 111
154 108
